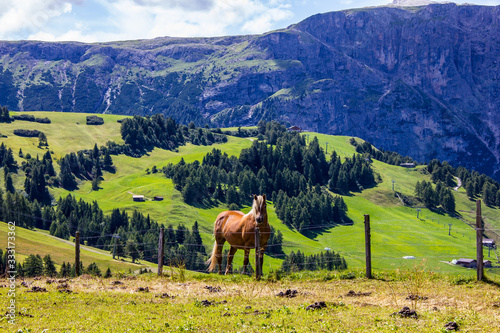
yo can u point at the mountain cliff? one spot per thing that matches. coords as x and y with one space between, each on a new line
423 81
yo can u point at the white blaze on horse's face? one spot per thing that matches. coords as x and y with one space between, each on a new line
259 208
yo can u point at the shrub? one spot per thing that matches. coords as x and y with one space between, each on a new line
27 133
94 120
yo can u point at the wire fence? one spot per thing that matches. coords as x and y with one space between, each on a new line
392 243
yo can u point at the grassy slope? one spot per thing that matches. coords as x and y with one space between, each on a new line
39 242
396 231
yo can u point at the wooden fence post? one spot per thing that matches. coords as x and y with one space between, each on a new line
77 253
368 250
160 253
479 240
258 269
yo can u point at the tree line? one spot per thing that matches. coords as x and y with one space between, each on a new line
38 174
5 115
298 261
85 164
136 235
476 185
434 197
292 173
142 134
381 155
34 266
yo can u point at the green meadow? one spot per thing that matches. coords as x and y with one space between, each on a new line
396 231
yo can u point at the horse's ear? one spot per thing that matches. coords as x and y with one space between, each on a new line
264 197
255 196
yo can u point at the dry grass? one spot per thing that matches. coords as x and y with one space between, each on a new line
211 303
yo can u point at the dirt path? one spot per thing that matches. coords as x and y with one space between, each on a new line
459 184
82 247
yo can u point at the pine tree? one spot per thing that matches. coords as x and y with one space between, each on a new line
132 250
232 196
108 161
418 190
33 265
197 238
63 271
449 202
42 140
170 240
180 234
469 188
49 268
108 274
93 270
95 184
9 184
68 180
342 183
95 152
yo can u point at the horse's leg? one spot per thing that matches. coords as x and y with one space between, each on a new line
218 254
245 261
229 268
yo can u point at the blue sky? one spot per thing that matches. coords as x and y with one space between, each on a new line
110 20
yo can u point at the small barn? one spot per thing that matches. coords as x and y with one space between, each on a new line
468 263
294 129
486 263
138 198
489 242
407 165
157 198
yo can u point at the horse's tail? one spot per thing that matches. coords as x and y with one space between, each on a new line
212 261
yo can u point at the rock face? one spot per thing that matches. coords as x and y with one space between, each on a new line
422 81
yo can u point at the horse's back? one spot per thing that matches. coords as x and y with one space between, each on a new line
229 213
225 218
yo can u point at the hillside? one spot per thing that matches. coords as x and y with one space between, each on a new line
396 232
422 81
40 242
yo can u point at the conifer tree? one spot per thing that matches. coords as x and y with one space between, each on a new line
49 269
33 265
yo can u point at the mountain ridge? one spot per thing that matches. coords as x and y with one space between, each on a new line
422 81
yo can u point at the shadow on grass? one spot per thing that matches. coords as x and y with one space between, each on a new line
492 281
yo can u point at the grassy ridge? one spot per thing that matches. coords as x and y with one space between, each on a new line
396 232
39 242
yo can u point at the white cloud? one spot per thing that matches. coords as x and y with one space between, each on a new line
137 19
108 20
30 15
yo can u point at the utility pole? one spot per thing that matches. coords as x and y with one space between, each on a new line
449 229
327 148
114 246
258 268
479 240
77 253
368 250
393 182
160 253
418 211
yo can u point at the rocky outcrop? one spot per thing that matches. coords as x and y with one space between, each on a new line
423 81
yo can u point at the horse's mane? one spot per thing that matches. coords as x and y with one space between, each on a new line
255 204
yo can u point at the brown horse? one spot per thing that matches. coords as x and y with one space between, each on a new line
238 230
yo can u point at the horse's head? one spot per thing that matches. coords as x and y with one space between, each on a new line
259 209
